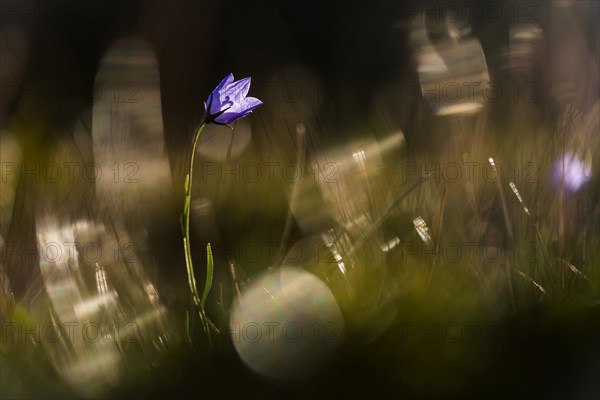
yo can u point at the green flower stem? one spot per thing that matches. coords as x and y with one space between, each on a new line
209 275
185 227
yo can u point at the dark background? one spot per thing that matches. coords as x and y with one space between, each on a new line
353 47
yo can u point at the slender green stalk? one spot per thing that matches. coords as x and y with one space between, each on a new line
185 227
209 275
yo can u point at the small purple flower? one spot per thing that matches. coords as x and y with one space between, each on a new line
228 102
573 171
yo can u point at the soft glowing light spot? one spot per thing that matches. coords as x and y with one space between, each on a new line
287 324
572 171
422 229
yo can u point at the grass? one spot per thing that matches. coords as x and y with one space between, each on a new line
528 275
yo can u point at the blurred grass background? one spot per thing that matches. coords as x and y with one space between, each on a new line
338 72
